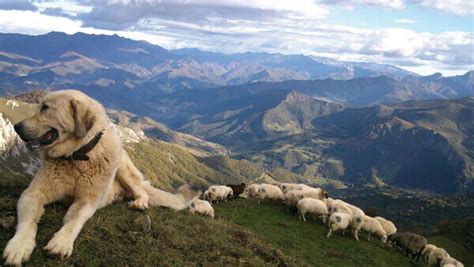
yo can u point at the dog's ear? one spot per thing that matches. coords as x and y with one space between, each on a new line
84 119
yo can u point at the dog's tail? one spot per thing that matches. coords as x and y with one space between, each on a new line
178 201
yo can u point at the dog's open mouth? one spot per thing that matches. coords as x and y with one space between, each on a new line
46 139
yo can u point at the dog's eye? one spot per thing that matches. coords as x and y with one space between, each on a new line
44 107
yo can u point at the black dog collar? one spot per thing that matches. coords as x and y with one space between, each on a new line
81 153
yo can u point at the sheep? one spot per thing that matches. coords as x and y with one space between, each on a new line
412 243
450 262
292 197
436 256
269 191
425 254
314 206
201 207
285 187
316 193
237 189
329 202
217 193
339 221
387 225
341 207
302 187
356 211
370 225
251 191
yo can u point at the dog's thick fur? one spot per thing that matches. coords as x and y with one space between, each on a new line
107 176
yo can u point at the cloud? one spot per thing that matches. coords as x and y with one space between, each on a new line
296 27
392 4
17 5
405 21
458 7
118 15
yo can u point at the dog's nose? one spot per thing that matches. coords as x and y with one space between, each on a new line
18 127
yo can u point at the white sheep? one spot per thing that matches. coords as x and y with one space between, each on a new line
285 187
314 206
329 202
450 262
270 191
436 256
316 193
251 191
370 225
341 207
387 225
217 193
201 207
427 252
302 187
292 197
339 221
356 211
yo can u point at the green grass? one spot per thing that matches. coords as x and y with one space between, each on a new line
243 233
115 236
273 223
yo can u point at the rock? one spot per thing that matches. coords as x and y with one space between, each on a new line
144 222
8 222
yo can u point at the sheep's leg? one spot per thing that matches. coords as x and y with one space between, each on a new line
356 234
343 231
418 256
369 238
329 233
304 218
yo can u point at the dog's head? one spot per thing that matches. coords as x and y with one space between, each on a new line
61 115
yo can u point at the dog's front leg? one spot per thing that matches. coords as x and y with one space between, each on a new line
63 241
30 208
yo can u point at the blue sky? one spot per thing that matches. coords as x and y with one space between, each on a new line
412 17
424 36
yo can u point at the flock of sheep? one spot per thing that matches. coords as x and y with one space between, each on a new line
336 213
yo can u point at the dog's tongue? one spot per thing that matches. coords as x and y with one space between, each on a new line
48 137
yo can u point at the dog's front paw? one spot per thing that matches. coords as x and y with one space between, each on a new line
61 244
18 250
140 203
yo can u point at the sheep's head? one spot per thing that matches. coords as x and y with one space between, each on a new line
384 239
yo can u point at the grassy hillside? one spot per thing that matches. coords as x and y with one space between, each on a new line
243 232
118 236
169 165
271 221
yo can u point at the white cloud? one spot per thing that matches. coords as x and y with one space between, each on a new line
29 22
458 7
393 4
240 26
405 21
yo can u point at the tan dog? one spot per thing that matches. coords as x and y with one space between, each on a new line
82 157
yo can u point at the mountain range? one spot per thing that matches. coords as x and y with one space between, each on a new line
292 116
